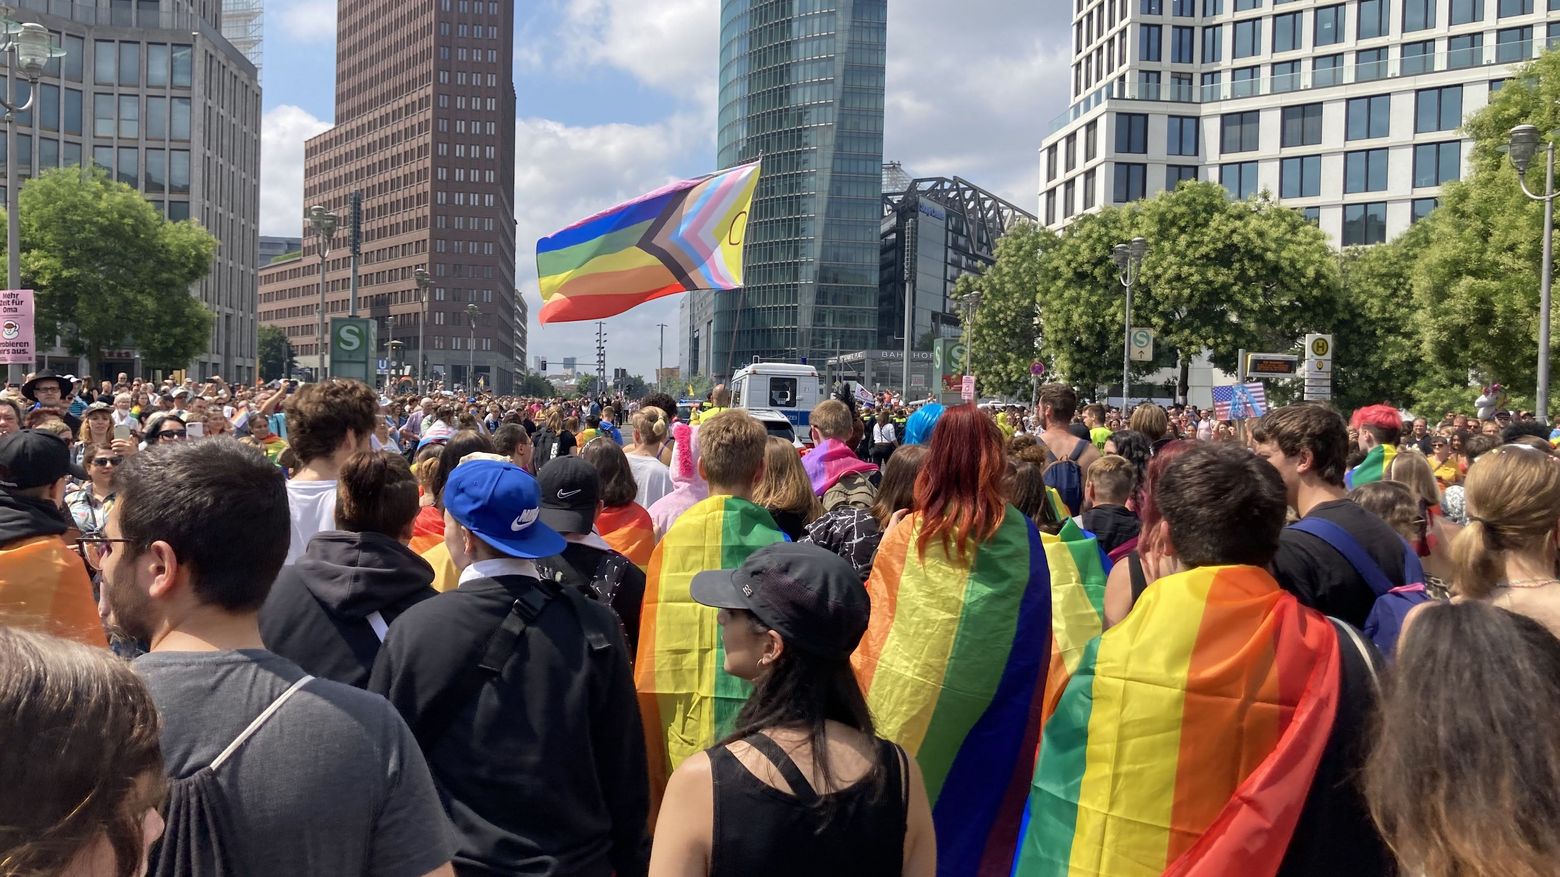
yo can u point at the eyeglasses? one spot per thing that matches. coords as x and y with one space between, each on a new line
108 461
172 435
93 549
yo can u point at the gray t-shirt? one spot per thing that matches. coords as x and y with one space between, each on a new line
332 784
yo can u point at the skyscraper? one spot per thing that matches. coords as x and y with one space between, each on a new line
801 86
242 25
425 130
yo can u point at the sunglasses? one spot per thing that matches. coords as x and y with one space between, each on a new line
93 550
108 461
172 435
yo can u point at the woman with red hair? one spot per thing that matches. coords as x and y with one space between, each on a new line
954 659
1138 569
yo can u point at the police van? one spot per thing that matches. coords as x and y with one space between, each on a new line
790 389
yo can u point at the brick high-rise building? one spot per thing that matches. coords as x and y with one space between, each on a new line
425 130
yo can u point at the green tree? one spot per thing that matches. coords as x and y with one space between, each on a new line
275 353
532 384
109 269
1476 285
1220 275
1003 337
585 385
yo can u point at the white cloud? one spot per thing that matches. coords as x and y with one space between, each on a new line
669 45
564 173
282 133
307 20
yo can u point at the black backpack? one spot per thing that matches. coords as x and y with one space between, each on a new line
1067 477
546 444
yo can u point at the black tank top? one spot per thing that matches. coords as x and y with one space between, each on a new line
762 831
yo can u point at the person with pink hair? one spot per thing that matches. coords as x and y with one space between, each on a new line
687 486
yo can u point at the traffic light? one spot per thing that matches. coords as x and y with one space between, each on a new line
544 365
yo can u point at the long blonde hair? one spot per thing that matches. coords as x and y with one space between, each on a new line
785 486
1411 468
1513 499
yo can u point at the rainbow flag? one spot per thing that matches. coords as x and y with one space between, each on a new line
686 699
953 665
44 587
687 235
1078 573
627 528
1188 736
1373 468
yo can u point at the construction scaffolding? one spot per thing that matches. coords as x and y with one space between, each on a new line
242 25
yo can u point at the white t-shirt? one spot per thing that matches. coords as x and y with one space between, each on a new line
652 477
312 507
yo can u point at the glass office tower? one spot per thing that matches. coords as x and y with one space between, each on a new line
801 86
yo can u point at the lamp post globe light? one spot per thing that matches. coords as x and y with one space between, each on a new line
471 359
28 49
1129 264
424 280
323 223
1522 148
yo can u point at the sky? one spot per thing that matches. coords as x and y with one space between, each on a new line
618 97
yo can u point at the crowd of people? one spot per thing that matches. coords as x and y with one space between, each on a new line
318 629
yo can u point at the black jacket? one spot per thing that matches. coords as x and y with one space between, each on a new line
23 517
317 613
541 767
1112 525
628 597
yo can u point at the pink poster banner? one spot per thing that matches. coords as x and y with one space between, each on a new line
17 341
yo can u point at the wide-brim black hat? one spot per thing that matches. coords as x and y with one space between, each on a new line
45 375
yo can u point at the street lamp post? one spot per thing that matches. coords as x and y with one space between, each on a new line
471 359
395 365
323 223
424 280
970 305
1129 264
28 47
1523 146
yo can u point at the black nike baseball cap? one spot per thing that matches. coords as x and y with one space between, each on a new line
570 489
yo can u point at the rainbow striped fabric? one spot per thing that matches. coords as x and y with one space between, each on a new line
628 530
44 587
686 699
953 664
1373 468
1078 574
687 235
1188 735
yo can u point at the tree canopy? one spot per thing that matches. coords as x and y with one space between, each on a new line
1002 339
275 353
110 271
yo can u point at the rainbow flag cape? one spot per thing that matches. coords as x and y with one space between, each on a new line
686 699
627 528
686 235
1078 573
1373 468
953 665
1188 736
44 587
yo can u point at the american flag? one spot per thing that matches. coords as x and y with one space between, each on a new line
1239 401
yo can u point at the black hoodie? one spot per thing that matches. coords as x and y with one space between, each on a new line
24 517
317 614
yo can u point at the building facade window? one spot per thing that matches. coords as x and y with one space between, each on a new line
1300 177
1508 8
1132 133
1286 77
1366 118
1326 70
1130 180
1175 174
1418 57
1067 199
1070 152
1327 26
1183 42
1467 11
1302 125
1244 81
1418 15
1248 38
1374 19
1212 44
1466 50
1239 132
1423 207
1364 224
1437 109
1365 170
1149 36
1370 64
1437 163
1181 136
1090 132
1240 178
1286 32
1513 44
1088 189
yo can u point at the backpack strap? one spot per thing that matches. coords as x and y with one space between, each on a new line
259 721
1346 632
376 620
1345 544
1078 450
522 613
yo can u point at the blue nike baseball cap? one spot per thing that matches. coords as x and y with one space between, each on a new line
501 504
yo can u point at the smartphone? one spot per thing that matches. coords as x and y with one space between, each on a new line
195 429
122 431
292 387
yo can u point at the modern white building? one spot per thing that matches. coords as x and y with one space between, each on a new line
1348 111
